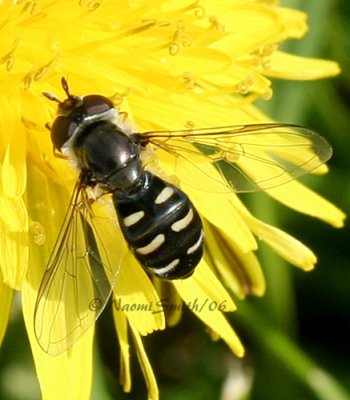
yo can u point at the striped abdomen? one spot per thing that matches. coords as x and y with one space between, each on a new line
162 228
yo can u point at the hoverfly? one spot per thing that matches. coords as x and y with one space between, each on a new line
157 219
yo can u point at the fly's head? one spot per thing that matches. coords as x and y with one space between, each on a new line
76 112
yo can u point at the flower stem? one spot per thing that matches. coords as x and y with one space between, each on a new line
319 381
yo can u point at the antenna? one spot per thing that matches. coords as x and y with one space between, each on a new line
51 97
65 87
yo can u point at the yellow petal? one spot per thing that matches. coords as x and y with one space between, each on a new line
288 66
13 213
10 116
223 216
300 198
121 325
238 79
136 297
321 170
285 245
64 377
253 26
14 253
37 111
288 247
195 294
240 270
201 61
12 145
203 112
47 208
168 296
291 22
294 22
60 377
40 152
145 365
211 290
13 171
5 307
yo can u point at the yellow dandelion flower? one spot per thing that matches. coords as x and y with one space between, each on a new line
170 64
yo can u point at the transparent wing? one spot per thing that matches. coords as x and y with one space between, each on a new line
80 274
245 158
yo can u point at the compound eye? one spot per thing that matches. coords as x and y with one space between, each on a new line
61 130
95 104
